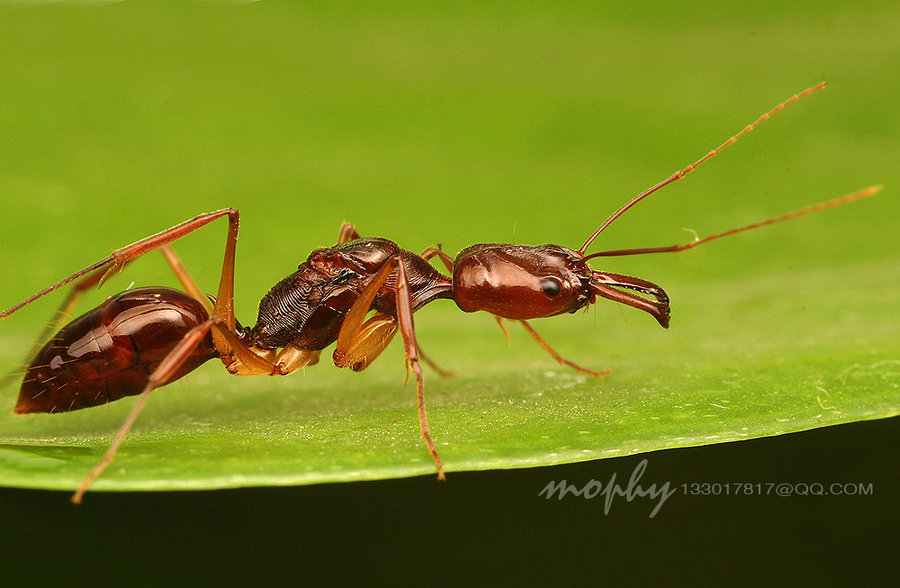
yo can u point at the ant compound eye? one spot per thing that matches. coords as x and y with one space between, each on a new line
551 287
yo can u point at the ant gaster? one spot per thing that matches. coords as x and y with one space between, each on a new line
145 338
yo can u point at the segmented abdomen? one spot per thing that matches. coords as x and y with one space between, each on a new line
109 352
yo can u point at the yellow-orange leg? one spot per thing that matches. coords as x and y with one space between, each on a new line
360 341
378 331
290 359
504 329
160 377
353 331
224 307
408 331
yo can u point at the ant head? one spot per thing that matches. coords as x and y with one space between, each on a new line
520 281
525 282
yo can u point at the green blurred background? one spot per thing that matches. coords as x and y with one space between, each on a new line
475 122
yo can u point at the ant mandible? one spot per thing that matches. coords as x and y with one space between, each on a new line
145 338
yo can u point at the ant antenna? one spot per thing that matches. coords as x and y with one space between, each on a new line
865 193
680 174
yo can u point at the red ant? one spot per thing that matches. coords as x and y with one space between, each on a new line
145 338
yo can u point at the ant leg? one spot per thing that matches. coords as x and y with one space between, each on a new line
503 328
239 359
367 343
437 369
63 313
167 368
120 257
187 282
360 341
249 361
290 359
370 339
354 330
224 307
160 377
242 360
65 309
557 356
408 331
435 250
348 233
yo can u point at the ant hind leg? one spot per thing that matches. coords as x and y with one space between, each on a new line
166 369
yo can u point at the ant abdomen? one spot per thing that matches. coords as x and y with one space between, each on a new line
110 351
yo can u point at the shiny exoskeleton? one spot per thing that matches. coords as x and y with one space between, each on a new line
110 352
307 308
145 338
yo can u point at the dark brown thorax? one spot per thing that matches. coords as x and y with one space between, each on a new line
307 308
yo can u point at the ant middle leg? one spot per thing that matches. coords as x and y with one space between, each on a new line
427 255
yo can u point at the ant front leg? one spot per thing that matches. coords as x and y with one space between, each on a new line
546 347
408 331
436 251
562 360
359 343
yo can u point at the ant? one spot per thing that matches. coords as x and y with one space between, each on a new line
144 338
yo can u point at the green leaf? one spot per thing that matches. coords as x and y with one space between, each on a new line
760 370
425 128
